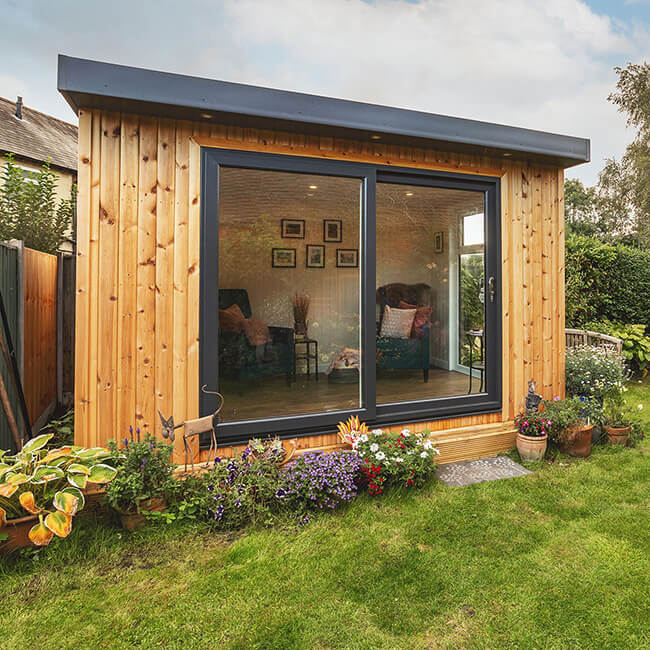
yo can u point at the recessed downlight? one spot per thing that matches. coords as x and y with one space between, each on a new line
207 116
313 187
507 154
408 193
375 137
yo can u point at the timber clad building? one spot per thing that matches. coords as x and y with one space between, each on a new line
428 250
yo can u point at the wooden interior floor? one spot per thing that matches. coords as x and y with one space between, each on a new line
273 397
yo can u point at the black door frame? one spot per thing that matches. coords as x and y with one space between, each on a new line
369 175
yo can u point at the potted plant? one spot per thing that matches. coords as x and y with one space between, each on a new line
532 435
617 419
572 423
145 474
41 490
300 313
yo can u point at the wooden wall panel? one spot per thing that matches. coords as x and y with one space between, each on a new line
138 277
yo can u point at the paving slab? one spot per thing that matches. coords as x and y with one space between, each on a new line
478 471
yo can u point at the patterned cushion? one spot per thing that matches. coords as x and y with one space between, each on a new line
422 317
397 323
256 331
231 319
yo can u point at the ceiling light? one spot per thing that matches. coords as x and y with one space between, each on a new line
313 187
507 154
409 193
207 116
375 137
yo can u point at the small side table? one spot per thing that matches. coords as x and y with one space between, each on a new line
310 354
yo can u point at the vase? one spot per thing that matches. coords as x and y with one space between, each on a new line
617 435
531 448
17 531
578 440
300 328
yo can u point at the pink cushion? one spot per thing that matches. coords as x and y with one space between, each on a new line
422 317
257 333
231 319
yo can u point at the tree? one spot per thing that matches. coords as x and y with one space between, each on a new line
624 186
29 210
580 208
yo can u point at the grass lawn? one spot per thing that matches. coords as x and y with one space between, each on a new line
558 559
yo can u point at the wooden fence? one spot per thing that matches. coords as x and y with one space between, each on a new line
9 286
39 375
585 337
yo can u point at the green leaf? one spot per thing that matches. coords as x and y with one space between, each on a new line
101 473
69 500
37 443
59 523
77 493
47 473
78 480
78 468
16 479
93 453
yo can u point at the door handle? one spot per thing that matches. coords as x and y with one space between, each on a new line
492 288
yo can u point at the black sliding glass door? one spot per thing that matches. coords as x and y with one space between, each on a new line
332 288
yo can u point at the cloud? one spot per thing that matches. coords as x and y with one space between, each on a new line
543 64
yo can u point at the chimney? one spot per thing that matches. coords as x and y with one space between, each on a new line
19 108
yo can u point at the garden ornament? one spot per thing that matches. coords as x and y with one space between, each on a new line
194 428
532 399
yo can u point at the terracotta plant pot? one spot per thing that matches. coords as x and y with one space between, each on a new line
578 441
531 448
135 520
18 532
618 436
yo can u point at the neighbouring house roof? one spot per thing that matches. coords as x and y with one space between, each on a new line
92 84
37 136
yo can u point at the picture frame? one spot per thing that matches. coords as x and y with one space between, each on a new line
332 230
347 258
315 257
283 258
439 242
292 228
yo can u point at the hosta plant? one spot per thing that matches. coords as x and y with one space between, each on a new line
49 483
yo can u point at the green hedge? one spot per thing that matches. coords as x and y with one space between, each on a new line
606 282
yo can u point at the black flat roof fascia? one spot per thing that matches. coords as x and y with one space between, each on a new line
93 84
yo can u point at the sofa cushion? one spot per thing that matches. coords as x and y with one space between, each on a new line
422 317
231 319
397 323
257 333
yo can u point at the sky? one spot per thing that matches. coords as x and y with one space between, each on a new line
540 64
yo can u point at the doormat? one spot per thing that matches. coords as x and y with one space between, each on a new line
477 471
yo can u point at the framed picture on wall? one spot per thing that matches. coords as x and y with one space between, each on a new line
315 256
439 242
347 258
292 228
332 230
283 258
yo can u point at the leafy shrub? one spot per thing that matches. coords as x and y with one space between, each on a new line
145 472
318 480
562 415
395 459
237 492
636 345
606 281
532 423
593 372
62 428
49 483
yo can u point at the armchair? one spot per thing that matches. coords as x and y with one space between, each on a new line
239 359
404 354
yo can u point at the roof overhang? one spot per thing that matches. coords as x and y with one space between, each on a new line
93 84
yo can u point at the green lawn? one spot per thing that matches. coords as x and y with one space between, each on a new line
559 559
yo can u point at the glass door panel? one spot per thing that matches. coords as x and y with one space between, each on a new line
430 298
289 293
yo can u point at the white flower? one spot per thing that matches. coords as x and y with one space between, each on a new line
398 459
374 447
424 455
427 444
640 407
409 452
363 437
376 432
406 433
380 455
